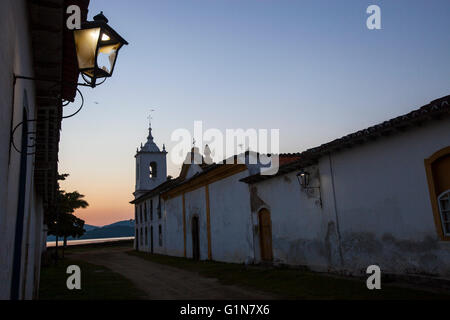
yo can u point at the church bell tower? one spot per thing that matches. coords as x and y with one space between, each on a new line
151 167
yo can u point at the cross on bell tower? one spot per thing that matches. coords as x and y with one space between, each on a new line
150 117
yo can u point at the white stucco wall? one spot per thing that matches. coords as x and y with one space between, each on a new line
302 232
170 240
383 203
231 225
173 231
373 207
193 170
195 203
16 57
33 229
143 180
378 212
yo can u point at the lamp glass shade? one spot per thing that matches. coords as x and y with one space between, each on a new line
86 41
106 58
97 46
303 178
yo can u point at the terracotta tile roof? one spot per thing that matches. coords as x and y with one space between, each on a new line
285 158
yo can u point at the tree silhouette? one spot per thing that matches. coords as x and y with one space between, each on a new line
62 222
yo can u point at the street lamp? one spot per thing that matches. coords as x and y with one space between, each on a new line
303 178
97 46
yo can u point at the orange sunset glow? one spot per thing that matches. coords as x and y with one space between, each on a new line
108 201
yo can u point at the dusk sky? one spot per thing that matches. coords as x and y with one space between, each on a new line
309 68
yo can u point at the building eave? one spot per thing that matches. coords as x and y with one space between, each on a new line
54 58
435 110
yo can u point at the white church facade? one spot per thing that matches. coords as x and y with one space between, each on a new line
378 196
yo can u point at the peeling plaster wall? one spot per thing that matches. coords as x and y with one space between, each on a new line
383 203
302 234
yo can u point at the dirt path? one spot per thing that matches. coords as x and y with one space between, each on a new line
164 282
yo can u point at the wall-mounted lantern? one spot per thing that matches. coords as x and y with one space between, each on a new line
303 178
97 46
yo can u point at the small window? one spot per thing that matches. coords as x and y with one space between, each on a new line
153 169
145 211
146 237
151 209
160 235
151 238
444 210
159 209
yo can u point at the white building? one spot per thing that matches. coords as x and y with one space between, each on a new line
377 196
34 43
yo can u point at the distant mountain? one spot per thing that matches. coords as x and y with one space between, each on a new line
125 223
109 232
118 229
89 227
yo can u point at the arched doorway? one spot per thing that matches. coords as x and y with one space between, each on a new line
265 235
195 239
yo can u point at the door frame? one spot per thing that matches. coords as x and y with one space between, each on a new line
265 256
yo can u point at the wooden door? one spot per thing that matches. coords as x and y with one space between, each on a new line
441 175
265 235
